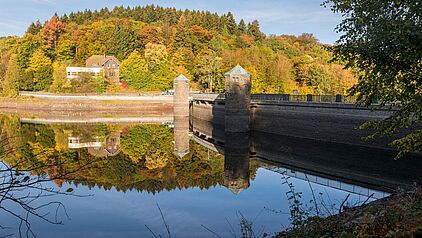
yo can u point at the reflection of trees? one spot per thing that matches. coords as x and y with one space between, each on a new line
145 163
121 173
25 179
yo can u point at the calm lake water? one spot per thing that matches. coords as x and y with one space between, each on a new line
113 180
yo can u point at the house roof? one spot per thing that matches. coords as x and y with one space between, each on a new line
100 60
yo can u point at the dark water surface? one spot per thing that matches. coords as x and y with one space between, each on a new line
121 175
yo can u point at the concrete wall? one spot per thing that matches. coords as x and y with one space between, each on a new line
332 122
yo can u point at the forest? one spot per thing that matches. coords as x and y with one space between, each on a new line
155 44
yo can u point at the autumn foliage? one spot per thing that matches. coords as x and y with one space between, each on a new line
155 44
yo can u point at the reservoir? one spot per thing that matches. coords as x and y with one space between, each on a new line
140 178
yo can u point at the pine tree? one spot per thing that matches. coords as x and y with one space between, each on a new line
242 27
255 31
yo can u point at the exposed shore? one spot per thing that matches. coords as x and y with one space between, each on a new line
84 105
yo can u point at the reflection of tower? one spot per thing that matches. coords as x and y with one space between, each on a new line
181 116
236 161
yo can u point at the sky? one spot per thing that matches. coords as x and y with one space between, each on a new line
275 16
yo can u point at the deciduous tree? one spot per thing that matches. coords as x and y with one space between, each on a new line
383 40
41 69
134 71
52 31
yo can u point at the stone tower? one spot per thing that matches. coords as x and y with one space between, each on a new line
238 97
181 116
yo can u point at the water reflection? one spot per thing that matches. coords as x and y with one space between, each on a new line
187 174
236 162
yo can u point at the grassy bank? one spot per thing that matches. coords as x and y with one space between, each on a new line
399 215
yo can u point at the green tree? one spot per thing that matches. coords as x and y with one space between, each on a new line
66 50
59 76
134 71
123 40
318 77
34 28
100 83
208 71
41 69
9 84
255 31
155 55
383 40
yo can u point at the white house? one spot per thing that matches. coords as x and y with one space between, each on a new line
73 72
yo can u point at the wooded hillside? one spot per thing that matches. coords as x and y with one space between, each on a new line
155 44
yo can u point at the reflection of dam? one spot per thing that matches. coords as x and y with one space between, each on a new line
351 188
332 165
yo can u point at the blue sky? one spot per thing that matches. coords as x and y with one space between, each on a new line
275 16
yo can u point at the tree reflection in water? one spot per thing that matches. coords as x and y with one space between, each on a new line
130 157
40 162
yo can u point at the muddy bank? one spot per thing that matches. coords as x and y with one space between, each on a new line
24 106
399 215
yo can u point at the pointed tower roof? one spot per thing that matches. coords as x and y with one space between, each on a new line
181 78
236 191
237 70
181 154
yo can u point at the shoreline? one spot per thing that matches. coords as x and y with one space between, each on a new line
29 107
397 215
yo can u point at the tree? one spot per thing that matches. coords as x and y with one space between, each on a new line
41 69
52 31
123 40
134 71
151 34
255 31
9 84
382 39
242 26
59 76
34 28
208 71
66 50
155 54
319 79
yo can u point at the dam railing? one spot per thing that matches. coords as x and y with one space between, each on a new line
281 97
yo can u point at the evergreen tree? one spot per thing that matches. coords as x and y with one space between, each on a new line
34 28
242 27
255 31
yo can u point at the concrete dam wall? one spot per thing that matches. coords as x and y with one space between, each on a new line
331 122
